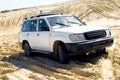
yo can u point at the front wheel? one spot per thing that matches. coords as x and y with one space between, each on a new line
27 49
101 51
62 54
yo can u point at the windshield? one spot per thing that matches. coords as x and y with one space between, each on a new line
64 21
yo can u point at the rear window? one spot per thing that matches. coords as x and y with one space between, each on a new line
26 26
30 25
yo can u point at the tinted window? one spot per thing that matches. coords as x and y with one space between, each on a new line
42 25
26 26
33 25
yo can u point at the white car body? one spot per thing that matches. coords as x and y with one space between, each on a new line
43 41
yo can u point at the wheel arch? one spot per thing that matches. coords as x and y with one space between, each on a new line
62 57
23 42
56 44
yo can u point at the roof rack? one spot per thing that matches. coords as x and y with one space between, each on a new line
42 13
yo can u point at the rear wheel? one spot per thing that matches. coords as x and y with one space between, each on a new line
63 56
27 49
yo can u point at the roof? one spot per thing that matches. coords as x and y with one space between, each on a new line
41 14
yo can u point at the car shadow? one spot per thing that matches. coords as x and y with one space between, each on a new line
41 62
92 58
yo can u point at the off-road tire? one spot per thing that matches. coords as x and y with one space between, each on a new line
27 49
63 56
101 51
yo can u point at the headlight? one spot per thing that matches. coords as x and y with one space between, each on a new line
76 37
108 33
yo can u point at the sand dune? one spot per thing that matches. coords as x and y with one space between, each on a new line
15 66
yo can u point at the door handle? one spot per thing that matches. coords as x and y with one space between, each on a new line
38 34
27 34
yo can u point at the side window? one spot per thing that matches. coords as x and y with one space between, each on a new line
33 25
26 26
42 25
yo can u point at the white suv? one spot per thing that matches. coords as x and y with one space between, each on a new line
62 35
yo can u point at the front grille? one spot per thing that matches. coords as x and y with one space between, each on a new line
95 34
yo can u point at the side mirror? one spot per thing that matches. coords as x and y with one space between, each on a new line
84 23
45 28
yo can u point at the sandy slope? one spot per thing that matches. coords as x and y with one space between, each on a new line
15 66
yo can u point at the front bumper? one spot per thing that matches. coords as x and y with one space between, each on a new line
87 46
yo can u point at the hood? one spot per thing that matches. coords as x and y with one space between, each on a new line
78 29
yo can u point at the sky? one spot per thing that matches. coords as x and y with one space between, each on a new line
15 4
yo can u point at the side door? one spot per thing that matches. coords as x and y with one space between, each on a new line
42 39
32 33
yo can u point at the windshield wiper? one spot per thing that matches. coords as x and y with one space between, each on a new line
74 22
60 24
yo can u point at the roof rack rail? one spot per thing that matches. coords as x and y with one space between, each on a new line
42 13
